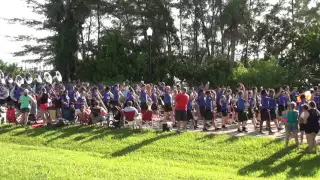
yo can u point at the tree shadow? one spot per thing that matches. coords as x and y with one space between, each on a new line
137 146
70 131
117 134
265 165
8 128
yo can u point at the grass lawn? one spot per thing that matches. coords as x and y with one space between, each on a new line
77 152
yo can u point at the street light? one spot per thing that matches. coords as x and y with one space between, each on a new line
149 34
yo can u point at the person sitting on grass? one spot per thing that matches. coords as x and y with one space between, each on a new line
96 115
292 123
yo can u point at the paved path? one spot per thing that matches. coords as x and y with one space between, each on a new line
233 130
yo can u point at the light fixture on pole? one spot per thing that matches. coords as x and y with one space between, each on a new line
149 34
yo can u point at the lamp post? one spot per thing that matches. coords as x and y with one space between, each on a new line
149 34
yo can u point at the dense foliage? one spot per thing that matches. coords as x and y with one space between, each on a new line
223 41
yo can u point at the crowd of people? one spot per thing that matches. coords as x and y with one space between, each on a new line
220 107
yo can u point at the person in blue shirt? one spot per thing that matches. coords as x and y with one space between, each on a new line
224 111
242 112
190 112
209 107
272 108
116 95
143 98
201 104
154 99
167 103
251 109
265 111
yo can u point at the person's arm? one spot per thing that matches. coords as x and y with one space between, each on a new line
32 99
19 101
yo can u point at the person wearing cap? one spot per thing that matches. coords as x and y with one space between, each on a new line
25 106
292 123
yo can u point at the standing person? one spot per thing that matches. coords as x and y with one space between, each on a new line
201 105
167 104
265 111
242 113
143 99
302 112
44 97
209 111
251 112
190 112
224 111
272 108
181 104
311 121
292 123
25 106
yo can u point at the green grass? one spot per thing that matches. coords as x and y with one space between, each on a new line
77 152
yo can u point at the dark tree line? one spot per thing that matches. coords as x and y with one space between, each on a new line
222 41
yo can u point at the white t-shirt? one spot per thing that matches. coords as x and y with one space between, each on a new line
130 109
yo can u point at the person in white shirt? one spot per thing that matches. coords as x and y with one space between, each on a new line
130 108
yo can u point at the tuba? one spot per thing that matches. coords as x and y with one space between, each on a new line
57 77
38 79
19 80
28 78
4 92
2 78
9 79
47 77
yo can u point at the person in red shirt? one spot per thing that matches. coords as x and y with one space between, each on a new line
181 100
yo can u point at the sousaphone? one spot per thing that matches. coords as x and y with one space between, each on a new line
47 77
28 78
57 77
2 78
38 79
19 80
9 79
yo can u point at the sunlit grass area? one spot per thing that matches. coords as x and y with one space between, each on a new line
77 152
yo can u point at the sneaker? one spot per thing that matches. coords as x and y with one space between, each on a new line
205 130
223 127
271 133
244 129
216 129
234 123
239 130
279 129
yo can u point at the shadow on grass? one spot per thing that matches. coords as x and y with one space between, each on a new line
115 133
297 167
137 146
68 131
8 128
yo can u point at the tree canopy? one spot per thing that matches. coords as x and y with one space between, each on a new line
221 41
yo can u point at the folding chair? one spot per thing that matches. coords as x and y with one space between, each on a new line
129 118
151 119
11 116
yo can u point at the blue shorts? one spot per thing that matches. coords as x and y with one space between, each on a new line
292 127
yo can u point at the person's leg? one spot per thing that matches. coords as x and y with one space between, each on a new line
26 118
177 118
295 135
301 136
261 126
309 142
184 120
315 145
287 138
